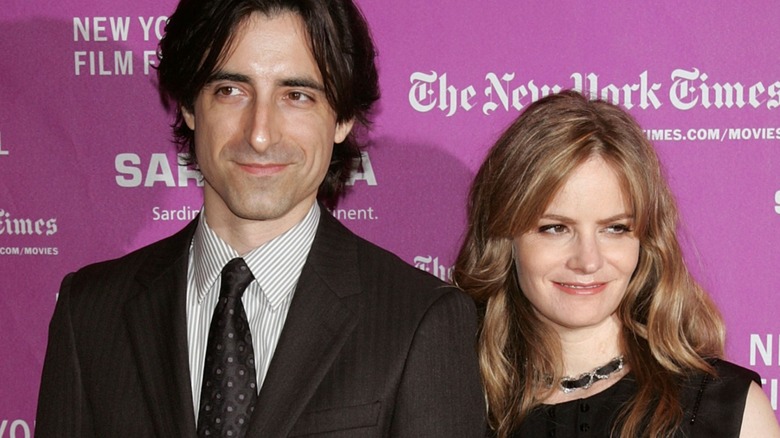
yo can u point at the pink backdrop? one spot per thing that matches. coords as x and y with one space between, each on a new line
87 171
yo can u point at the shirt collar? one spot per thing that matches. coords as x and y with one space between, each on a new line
276 264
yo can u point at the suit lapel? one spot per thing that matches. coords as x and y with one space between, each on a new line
318 323
156 321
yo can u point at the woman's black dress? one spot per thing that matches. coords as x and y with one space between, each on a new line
713 408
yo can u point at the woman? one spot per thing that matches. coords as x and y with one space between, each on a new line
591 324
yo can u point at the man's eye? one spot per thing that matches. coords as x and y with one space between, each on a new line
227 91
298 96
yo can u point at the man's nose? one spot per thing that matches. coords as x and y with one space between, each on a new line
263 129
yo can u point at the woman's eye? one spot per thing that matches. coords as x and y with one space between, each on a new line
618 229
553 229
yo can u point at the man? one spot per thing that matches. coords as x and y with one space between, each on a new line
308 330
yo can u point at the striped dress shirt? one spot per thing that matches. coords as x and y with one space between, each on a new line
276 265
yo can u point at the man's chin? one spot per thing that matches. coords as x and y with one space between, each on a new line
269 211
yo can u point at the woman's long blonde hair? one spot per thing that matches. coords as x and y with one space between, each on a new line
670 326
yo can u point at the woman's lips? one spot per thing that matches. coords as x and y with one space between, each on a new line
581 288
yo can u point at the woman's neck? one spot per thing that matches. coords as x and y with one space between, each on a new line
587 348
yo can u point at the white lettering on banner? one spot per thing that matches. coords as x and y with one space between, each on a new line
2 152
117 28
185 213
159 26
98 65
763 349
364 172
354 214
26 227
52 251
663 134
98 30
500 89
754 134
772 391
689 88
150 59
158 171
102 29
777 202
422 96
15 429
762 353
623 94
712 134
29 251
431 264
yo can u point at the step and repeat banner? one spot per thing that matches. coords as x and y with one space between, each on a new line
88 172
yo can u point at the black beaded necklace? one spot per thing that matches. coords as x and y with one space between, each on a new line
585 380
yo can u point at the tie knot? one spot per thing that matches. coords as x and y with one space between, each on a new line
236 276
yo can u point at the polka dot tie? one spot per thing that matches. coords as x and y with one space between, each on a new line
229 391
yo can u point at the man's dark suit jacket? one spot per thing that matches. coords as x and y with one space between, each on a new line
371 347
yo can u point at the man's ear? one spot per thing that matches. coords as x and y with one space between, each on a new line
342 130
189 117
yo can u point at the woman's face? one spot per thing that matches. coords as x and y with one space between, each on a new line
575 264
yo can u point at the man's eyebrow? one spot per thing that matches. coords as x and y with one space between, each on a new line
302 82
225 76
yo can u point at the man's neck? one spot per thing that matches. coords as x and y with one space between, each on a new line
244 235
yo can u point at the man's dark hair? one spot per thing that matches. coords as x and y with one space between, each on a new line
199 32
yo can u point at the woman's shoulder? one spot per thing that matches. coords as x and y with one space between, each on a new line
734 373
730 384
714 404
757 418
